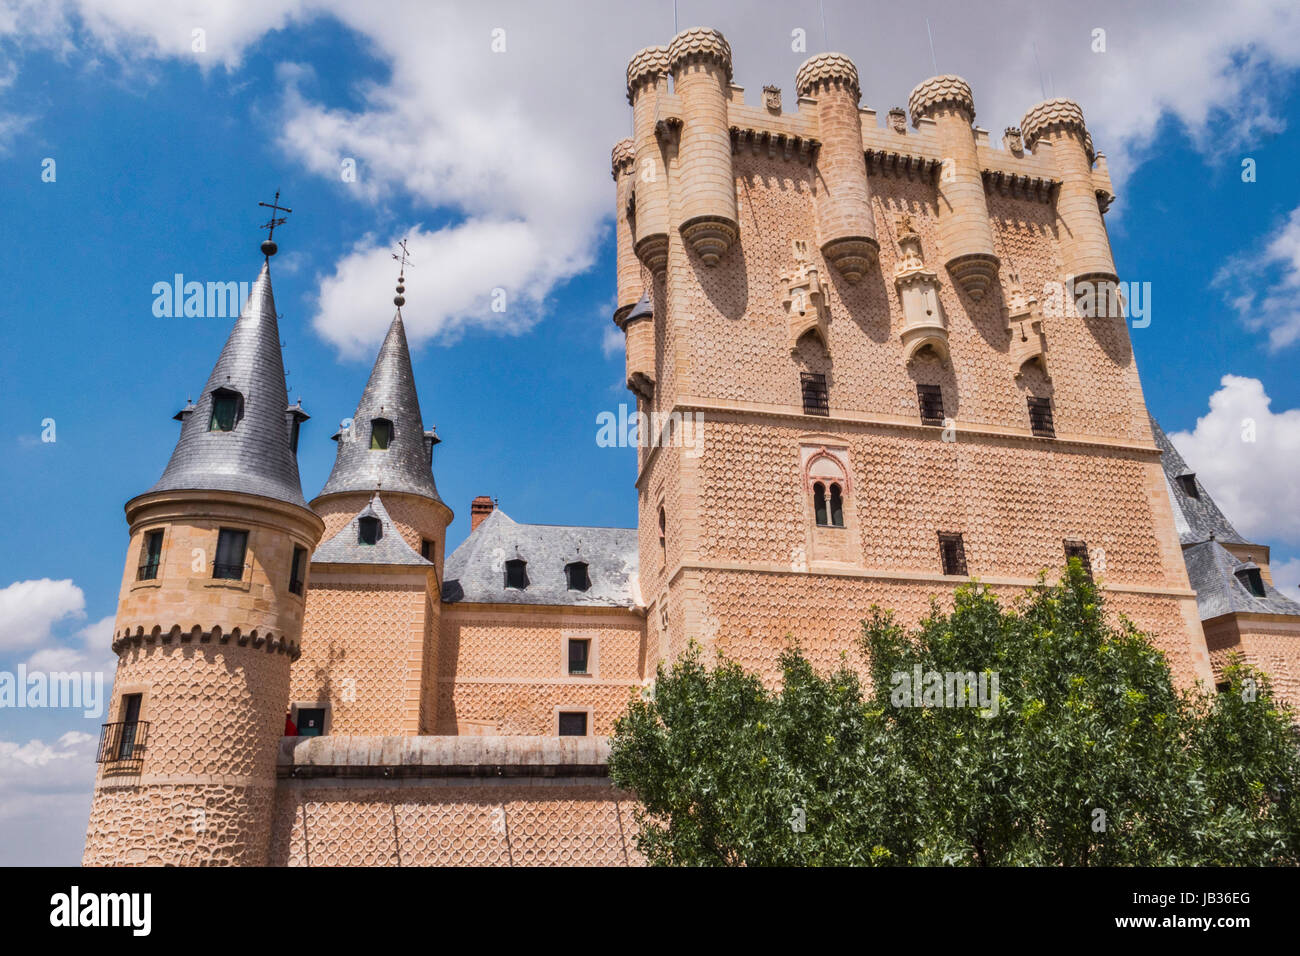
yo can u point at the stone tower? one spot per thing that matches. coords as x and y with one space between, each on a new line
864 374
208 620
369 661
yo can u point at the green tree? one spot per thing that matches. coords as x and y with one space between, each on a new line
1048 737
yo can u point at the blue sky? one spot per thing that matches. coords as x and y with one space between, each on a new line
498 165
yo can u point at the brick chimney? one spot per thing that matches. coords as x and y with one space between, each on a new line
479 509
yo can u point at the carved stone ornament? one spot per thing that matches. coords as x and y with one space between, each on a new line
805 298
925 326
772 98
1025 325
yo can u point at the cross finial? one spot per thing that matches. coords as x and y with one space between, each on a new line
403 260
268 246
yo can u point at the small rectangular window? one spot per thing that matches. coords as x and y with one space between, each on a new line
1078 549
152 558
225 411
130 715
426 549
573 723
232 546
381 434
577 577
517 574
1187 485
930 400
816 398
298 571
1040 417
579 651
311 721
1253 581
952 553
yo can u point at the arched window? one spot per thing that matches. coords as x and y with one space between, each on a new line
828 476
369 530
227 410
517 574
381 434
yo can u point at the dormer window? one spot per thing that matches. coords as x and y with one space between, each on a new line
381 434
576 573
1187 485
294 427
517 574
369 530
1252 581
227 410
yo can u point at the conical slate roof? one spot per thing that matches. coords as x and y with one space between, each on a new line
255 457
390 394
1199 518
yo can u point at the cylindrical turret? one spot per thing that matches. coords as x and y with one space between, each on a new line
208 622
209 618
647 81
1085 247
965 234
628 276
700 61
845 225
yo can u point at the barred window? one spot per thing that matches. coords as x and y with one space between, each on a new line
816 398
151 560
930 400
1040 417
1078 549
952 553
232 546
573 724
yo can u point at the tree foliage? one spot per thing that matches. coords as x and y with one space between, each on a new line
1080 750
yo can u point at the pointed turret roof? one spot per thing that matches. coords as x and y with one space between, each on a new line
1196 518
254 457
390 394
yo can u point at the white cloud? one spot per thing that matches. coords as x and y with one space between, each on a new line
1276 271
1286 577
1254 483
29 609
513 147
45 794
91 650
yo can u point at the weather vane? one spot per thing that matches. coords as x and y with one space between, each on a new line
269 247
404 260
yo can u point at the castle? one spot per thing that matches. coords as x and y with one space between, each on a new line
866 400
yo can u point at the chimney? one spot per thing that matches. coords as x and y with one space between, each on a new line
479 509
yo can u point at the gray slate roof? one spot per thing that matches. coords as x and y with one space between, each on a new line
475 572
346 547
1213 572
390 393
1197 519
253 458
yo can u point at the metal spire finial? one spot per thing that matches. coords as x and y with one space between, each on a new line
403 260
268 246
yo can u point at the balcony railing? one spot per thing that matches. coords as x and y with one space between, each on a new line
123 742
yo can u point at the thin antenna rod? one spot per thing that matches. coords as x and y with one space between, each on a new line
1041 85
933 59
